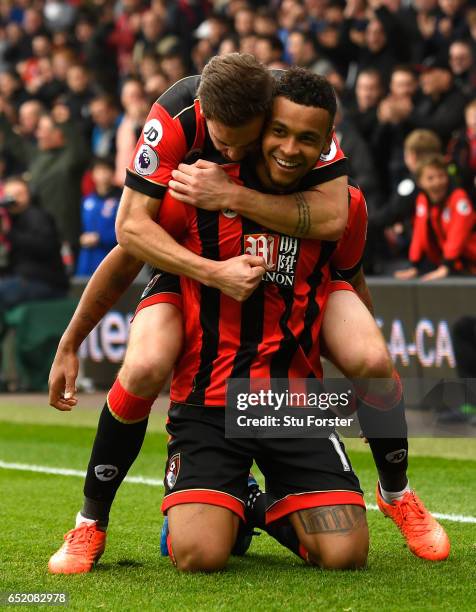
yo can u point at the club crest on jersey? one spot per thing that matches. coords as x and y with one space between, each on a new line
229 214
146 161
279 252
173 470
149 285
153 132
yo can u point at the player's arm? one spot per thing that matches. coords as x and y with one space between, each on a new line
319 213
108 283
141 236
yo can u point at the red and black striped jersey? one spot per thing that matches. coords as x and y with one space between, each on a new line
275 333
175 131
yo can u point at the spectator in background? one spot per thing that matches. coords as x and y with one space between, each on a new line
265 22
105 118
151 38
11 89
268 49
244 21
79 94
376 52
174 66
55 171
93 33
462 152
135 107
391 112
31 266
390 226
98 217
441 106
301 51
444 238
123 36
461 60
44 85
28 117
363 113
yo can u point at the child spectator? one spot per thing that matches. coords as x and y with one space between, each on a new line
444 239
98 216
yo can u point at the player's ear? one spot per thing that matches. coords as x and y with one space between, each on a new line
327 146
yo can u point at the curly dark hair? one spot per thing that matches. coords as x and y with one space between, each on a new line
304 87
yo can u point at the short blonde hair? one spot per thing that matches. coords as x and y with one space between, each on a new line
423 142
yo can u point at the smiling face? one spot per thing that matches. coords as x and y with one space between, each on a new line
434 181
293 142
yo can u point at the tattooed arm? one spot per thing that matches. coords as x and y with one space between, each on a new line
114 275
319 213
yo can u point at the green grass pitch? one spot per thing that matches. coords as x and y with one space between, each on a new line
36 509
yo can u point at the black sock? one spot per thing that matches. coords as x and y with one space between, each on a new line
282 531
285 534
390 454
115 449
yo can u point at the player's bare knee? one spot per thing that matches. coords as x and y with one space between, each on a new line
375 362
348 553
144 377
200 557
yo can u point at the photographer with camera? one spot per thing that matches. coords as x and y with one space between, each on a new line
31 267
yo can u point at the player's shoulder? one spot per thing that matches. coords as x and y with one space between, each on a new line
180 96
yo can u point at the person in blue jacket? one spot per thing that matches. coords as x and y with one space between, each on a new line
98 217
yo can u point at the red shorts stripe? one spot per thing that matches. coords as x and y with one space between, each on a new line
340 285
167 297
302 501
204 496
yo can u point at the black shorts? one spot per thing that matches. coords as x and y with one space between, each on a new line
205 467
163 288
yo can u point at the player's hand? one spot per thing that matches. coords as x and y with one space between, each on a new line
202 184
406 274
440 272
62 379
239 276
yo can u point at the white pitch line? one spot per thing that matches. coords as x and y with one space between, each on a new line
154 482
44 469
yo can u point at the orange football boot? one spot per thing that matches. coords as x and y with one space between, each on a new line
82 548
425 537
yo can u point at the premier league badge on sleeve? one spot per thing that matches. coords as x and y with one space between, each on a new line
146 160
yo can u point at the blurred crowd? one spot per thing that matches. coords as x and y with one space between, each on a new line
77 80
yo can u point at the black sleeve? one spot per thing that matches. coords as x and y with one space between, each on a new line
323 174
142 185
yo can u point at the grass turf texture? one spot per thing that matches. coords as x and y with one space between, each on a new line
36 509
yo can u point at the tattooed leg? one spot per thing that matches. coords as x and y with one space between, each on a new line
335 537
